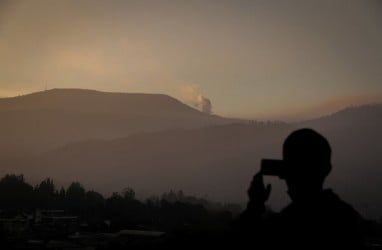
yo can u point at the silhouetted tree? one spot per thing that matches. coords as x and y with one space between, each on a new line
15 193
75 198
128 194
45 194
61 198
94 206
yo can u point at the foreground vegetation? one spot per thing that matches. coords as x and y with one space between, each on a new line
121 210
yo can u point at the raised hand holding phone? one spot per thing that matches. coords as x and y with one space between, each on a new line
258 194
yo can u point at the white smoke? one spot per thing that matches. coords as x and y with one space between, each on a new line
193 95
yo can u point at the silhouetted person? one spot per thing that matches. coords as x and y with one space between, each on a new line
317 218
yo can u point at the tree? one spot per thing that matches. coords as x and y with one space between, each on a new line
15 193
46 187
94 205
75 192
75 198
45 194
128 194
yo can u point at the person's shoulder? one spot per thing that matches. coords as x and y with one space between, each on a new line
339 207
328 204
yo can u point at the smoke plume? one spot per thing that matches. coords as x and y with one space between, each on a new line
193 95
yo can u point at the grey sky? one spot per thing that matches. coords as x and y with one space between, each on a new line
253 59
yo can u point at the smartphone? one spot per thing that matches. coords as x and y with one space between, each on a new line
272 167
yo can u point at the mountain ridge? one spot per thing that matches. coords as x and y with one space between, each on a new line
71 98
40 121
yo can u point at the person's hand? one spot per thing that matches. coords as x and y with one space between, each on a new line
257 192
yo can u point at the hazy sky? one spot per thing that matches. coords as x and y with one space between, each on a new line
252 59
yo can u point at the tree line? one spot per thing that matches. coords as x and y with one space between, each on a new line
171 210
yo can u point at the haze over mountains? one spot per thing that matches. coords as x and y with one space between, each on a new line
154 143
41 121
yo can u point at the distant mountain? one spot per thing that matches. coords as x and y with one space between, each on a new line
41 121
219 161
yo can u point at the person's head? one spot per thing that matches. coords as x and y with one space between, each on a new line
307 157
